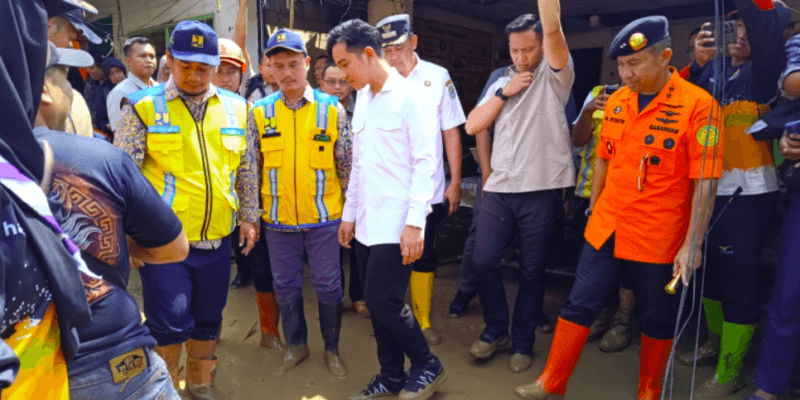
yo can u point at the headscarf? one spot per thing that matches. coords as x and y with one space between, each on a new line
113 62
161 76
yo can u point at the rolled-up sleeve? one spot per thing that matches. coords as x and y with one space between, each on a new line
792 61
131 137
421 118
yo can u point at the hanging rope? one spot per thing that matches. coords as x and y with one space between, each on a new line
718 93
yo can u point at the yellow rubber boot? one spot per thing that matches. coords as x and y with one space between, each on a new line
421 299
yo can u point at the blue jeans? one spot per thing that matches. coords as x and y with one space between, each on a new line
779 363
185 300
153 383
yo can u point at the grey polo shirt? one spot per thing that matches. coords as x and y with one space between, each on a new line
532 150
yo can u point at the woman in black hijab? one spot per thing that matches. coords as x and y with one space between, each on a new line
115 73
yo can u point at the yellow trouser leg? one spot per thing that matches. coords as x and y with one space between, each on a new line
421 297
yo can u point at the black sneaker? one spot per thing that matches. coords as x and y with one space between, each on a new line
380 386
423 381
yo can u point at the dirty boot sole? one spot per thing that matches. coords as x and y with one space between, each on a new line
334 364
426 393
481 349
294 356
535 391
271 342
200 392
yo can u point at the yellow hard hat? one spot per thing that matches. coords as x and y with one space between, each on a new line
231 53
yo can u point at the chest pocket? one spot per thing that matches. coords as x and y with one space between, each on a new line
321 146
660 149
320 150
611 138
167 150
233 141
272 151
271 140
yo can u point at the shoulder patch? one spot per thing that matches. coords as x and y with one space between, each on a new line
271 99
137 96
223 92
325 98
708 135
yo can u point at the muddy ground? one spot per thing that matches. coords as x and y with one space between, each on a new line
246 371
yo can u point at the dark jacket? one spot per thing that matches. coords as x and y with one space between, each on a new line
100 118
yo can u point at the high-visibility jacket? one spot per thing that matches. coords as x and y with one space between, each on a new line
193 165
299 186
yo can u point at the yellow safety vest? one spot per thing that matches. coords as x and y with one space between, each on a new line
299 185
193 165
583 188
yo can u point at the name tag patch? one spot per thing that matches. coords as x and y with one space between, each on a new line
322 138
270 134
164 129
232 131
128 365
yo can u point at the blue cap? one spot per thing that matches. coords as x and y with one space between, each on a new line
75 17
286 39
395 30
68 57
639 35
194 41
58 7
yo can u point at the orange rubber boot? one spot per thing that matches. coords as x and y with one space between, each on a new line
568 343
269 313
652 366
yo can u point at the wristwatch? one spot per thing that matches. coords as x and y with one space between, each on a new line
499 93
588 212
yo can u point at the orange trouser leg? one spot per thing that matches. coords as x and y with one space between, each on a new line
568 343
652 366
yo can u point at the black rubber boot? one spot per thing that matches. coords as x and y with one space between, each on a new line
330 323
296 332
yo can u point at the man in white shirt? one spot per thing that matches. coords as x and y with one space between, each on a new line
531 166
389 198
399 45
141 59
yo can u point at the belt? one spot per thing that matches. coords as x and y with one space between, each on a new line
128 365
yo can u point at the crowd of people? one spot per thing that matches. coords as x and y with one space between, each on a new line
175 175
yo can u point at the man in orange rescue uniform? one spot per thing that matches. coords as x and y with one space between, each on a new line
658 161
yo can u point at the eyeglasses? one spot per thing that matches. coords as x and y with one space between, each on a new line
334 83
641 180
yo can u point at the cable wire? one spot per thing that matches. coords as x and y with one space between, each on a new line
717 93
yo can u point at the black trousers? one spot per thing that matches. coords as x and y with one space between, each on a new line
356 292
397 332
533 215
598 276
734 251
257 261
430 256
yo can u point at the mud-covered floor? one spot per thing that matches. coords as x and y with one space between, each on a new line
246 371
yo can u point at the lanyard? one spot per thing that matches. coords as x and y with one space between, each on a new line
29 192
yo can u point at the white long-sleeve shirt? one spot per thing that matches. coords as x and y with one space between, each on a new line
394 161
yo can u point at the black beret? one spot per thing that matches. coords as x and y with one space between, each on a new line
639 35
